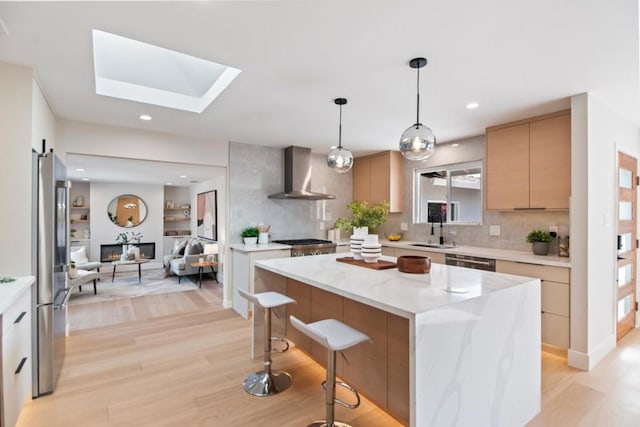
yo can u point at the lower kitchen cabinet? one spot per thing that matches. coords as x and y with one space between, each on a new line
242 273
555 305
16 358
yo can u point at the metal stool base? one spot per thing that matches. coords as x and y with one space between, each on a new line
266 384
324 424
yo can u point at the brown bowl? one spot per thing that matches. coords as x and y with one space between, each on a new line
414 264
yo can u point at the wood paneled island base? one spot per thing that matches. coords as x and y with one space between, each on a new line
438 358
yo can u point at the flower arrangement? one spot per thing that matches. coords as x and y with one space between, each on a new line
128 238
364 215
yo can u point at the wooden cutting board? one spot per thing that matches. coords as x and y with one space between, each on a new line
379 265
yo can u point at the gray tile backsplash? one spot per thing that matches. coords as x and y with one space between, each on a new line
256 171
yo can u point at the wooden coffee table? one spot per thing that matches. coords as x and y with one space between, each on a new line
202 265
132 262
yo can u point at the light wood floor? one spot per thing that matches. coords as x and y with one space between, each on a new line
179 360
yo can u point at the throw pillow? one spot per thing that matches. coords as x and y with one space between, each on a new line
194 248
79 255
179 247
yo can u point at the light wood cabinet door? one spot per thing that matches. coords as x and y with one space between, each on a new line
550 162
378 178
361 179
379 183
508 168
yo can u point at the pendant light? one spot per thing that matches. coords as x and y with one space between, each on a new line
417 142
340 159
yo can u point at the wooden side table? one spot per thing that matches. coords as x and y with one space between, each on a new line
202 265
131 262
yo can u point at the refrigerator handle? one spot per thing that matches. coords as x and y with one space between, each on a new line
63 306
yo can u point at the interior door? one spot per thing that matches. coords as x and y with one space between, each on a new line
627 246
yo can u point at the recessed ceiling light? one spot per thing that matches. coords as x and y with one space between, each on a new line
79 170
179 81
472 105
183 176
455 145
85 179
169 183
144 117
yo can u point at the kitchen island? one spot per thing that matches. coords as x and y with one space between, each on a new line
467 357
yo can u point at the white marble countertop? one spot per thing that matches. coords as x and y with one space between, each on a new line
501 254
241 247
9 292
403 294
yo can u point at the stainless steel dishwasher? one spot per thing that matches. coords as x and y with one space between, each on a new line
467 261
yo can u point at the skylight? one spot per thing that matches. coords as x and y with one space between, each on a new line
129 69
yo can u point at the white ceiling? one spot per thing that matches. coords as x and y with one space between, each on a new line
515 58
116 169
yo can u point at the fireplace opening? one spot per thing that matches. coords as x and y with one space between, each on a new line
113 252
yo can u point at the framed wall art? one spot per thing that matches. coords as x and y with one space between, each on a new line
207 219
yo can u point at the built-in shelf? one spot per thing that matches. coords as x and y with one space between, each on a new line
79 207
79 221
73 239
177 219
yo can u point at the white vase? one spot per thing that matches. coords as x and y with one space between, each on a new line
263 238
360 231
355 245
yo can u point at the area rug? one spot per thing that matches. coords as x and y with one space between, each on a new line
126 285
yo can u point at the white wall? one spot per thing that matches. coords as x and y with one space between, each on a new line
16 86
43 125
103 231
597 134
220 185
92 139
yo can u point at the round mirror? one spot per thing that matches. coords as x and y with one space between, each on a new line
127 211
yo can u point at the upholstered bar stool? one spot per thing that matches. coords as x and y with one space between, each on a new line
267 382
335 336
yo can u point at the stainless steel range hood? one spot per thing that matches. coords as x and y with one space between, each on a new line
297 176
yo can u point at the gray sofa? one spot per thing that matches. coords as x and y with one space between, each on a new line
182 256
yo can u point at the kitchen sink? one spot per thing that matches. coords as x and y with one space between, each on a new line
432 245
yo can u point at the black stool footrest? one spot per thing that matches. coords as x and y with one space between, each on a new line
348 387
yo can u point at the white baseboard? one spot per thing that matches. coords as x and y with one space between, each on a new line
586 362
227 303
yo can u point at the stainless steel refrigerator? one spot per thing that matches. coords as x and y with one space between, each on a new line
50 243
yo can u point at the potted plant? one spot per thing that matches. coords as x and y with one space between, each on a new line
540 240
250 235
364 215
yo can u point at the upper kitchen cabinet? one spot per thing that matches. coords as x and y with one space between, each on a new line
378 177
529 163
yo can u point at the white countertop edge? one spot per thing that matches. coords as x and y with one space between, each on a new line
241 247
10 292
498 254
271 265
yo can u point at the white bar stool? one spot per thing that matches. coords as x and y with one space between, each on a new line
267 382
335 336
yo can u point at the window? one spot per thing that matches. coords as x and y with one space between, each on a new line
450 193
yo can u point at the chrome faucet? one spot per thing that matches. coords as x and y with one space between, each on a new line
441 227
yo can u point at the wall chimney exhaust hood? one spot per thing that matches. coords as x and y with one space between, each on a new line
297 176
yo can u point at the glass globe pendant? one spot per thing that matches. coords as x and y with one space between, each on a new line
418 141
340 159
